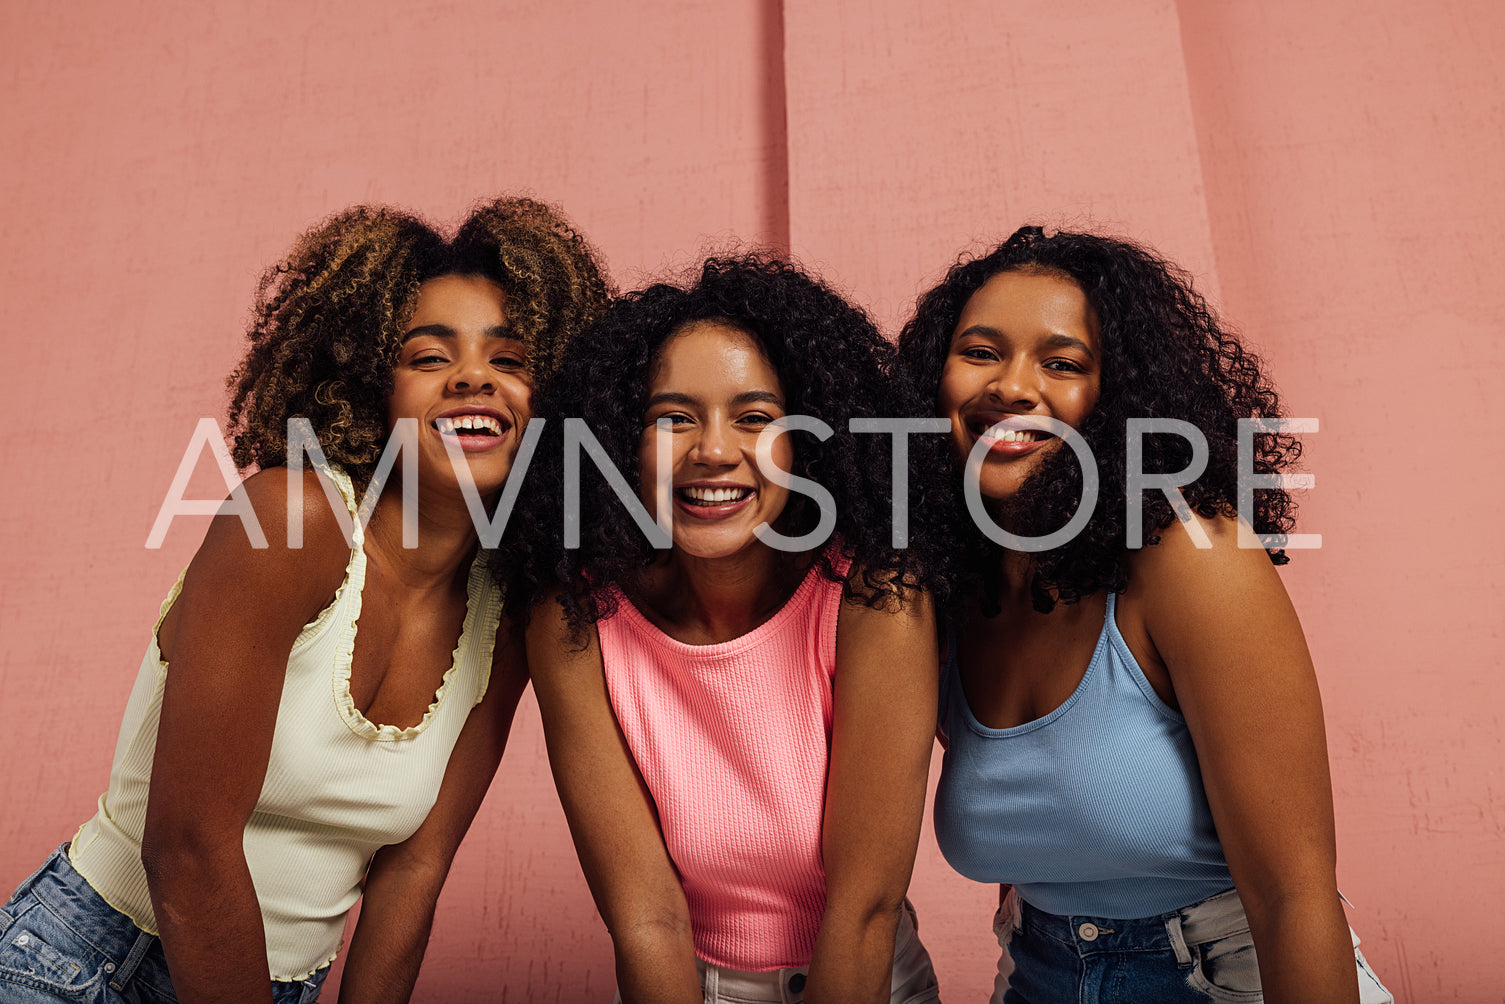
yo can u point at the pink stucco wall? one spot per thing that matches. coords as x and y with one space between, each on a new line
1328 170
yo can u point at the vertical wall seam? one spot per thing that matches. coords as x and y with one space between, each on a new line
1198 127
776 126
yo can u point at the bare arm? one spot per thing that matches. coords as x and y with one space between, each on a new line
1222 624
227 640
887 676
611 817
403 883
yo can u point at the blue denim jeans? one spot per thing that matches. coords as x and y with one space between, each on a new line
1197 954
59 941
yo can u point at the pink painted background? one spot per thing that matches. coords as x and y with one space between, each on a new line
1329 170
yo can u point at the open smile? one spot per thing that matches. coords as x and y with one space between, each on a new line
1007 442
473 428
713 501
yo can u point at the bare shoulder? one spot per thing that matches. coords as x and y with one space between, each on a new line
303 572
553 645
882 594
1204 552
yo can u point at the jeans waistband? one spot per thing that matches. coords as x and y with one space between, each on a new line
132 953
778 985
1213 918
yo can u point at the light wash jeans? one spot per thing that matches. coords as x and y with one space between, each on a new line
59 941
913 979
1200 953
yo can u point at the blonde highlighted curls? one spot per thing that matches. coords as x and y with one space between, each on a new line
328 319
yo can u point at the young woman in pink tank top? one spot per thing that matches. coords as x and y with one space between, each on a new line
740 723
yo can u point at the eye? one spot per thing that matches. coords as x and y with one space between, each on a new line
676 419
755 418
428 359
1064 366
509 361
978 352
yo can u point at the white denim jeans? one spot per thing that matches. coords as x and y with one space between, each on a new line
913 978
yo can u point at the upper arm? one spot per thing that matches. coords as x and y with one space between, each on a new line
227 644
609 808
1229 637
883 730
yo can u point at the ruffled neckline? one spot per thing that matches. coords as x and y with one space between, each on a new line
478 583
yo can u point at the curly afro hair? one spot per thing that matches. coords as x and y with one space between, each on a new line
328 319
1165 355
834 366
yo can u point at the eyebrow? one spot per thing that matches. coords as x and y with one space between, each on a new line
746 397
1056 341
445 331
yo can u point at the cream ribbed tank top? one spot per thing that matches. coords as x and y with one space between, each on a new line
337 788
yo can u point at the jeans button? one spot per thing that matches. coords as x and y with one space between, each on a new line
1088 932
24 939
797 982
109 967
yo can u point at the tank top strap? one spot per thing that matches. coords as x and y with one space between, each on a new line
949 682
346 487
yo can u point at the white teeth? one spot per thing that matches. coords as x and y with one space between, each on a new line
715 494
449 426
1012 435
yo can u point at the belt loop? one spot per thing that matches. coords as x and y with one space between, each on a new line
1017 909
132 960
712 984
1178 942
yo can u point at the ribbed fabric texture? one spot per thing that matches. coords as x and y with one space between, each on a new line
337 789
733 741
1096 809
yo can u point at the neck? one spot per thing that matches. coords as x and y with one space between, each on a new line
446 537
724 598
1016 569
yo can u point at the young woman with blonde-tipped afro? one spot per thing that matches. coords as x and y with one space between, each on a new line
328 318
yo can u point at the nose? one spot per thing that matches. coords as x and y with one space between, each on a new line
714 446
471 375
1016 383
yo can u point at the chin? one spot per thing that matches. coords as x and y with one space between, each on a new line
712 549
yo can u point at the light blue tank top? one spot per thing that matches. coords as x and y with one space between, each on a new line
1096 809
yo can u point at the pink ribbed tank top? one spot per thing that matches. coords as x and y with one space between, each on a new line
733 741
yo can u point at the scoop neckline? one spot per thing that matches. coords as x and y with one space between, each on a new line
731 646
355 582
976 725
365 727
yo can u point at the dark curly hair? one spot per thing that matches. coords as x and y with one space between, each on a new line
328 318
1165 355
833 364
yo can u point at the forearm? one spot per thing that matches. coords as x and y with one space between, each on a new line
854 954
397 915
210 922
656 964
1305 949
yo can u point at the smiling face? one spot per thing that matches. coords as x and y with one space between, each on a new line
717 389
464 377
1027 345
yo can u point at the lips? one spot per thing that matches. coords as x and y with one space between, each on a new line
713 501
1017 439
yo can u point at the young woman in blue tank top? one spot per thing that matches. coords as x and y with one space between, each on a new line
1134 735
